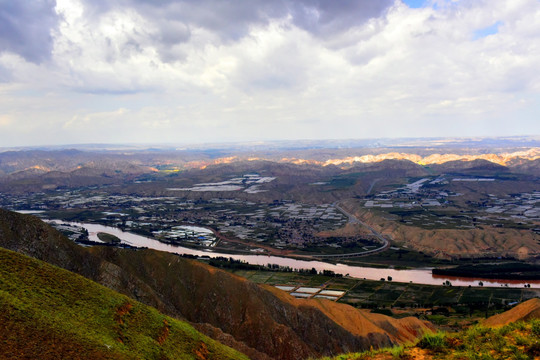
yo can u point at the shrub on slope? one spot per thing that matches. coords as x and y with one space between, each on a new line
496 339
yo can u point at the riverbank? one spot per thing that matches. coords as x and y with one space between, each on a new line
417 276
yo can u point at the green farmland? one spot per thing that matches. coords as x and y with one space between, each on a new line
388 294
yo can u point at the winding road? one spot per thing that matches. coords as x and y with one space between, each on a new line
354 220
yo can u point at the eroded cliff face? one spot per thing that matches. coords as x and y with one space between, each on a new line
263 322
266 318
453 243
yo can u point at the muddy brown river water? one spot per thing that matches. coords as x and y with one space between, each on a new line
418 276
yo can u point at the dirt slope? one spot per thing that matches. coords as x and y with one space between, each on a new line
49 313
361 322
513 334
453 243
265 320
530 309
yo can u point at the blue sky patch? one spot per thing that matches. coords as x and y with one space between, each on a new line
415 3
490 30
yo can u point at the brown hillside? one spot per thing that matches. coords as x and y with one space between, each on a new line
453 243
361 322
510 335
264 319
50 313
530 309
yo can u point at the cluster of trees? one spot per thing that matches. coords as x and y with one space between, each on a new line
230 263
509 271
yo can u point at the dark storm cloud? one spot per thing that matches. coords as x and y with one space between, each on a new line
324 17
231 19
25 28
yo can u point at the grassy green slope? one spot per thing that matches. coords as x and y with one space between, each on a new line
50 313
518 340
253 319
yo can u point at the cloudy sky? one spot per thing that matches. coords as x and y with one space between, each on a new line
194 71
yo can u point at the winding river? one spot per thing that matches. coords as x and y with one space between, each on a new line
418 276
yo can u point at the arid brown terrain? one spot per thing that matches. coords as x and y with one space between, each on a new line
259 321
455 243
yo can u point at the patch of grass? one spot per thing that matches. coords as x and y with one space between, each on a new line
518 340
434 342
372 294
398 352
535 327
50 313
438 319
392 353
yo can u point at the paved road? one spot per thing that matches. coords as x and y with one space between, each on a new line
354 220
372 185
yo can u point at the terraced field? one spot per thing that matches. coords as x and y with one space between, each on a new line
379 294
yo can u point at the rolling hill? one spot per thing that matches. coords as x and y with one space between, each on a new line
530 309
513 334
262 322
453 243
49 313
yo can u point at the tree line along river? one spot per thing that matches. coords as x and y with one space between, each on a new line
418 276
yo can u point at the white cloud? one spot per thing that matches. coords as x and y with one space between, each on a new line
121 73
5 120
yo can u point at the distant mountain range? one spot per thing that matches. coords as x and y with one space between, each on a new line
127 159
38 170
300 144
